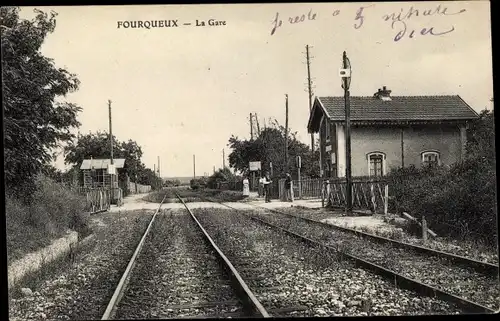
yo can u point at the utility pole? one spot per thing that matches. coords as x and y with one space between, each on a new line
223 159
257 122
346 84
286 133
159 166
112 176
251 126
110 131
194 166
309 84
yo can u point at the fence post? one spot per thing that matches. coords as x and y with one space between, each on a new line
300 183
424 229
386 198
328 187
323 192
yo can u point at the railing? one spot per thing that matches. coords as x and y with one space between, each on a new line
309 188
367 194
138 188
100 199
304 189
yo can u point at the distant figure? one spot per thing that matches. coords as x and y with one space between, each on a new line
261 185
288 188
246 187
267 187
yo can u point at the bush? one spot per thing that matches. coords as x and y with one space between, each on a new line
198 183
52 210
459 201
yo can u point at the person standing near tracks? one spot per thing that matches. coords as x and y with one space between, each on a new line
267 187
246 187
261 185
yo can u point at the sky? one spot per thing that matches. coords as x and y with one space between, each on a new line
183 91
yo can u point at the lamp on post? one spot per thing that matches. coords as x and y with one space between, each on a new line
345 74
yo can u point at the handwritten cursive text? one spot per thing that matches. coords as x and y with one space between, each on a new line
423 31
277 22
360 17
412 12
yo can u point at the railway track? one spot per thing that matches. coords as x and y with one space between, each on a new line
250 271
177 271
400 279
482 267
288 283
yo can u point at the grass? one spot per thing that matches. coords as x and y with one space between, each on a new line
53 211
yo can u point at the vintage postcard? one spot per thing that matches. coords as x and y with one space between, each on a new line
249 160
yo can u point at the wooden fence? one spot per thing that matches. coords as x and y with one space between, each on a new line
100 199
138 188
367 194
305 189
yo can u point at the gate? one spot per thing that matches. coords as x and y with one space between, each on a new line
367 194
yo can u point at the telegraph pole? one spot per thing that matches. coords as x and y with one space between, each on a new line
194 166
309 83
110 131
223 159
286 133
257 122
251 126
345 85
112 176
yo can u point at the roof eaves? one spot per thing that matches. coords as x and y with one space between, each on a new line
468 106
311 116
323 106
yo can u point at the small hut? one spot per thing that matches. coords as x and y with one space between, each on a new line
96 172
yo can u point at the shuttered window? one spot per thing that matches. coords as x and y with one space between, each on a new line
376 165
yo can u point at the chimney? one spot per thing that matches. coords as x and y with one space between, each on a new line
383 93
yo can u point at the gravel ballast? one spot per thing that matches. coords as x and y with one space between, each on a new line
82 290
438 272
466 249
284 272
176 275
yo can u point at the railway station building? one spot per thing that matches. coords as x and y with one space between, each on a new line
390 132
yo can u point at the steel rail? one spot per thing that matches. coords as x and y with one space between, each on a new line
117 295
399 280
483 267
249 298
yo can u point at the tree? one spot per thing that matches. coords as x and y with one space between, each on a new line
34 122
481 137
97 146
221 175
269 147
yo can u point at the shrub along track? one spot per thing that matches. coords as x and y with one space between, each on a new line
291 279
179 272
471 282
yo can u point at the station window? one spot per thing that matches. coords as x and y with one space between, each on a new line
376 164
431 158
